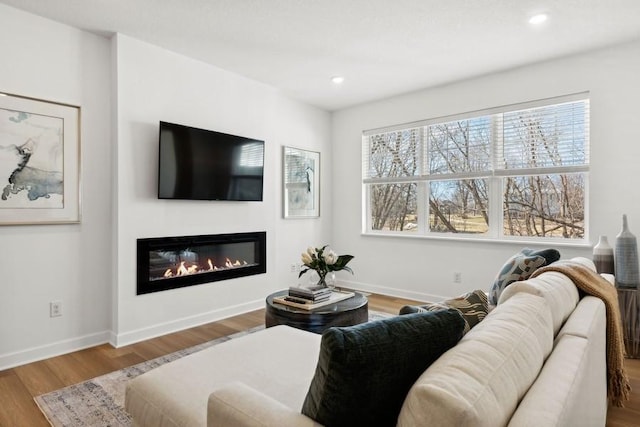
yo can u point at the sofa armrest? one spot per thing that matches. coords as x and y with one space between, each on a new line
240 405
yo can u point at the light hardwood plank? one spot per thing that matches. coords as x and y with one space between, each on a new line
18 407
38 378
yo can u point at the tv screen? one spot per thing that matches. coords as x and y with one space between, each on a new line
199 164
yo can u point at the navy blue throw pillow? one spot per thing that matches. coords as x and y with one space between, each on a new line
549 255
365 371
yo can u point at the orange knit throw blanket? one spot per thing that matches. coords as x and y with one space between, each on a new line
591 283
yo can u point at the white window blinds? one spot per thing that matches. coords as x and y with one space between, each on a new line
392 156
544 139
504 141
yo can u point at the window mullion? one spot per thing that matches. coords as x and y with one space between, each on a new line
495 207
423 207
423 186
496 219
366 200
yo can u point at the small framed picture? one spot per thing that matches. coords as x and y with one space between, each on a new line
39 161
301 180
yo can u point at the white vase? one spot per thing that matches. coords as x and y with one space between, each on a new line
603 256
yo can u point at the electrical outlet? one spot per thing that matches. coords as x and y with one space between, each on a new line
457 277
294 268
55 309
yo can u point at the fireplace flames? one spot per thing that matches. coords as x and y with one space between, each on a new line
186 269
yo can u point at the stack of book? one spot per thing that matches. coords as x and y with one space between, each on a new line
295 298
314 294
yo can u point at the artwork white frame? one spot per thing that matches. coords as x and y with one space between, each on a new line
39 161
301 183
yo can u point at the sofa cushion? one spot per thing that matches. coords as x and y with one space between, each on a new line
473 307
176 393
588 321
480 381
551 400
237 404
519 267
559 291
583 322
365 371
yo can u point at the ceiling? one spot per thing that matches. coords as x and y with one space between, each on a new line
381 47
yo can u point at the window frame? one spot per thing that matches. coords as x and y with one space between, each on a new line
495 174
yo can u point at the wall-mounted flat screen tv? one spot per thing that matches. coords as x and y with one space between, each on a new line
199 164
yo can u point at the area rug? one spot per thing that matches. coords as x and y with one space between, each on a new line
99 402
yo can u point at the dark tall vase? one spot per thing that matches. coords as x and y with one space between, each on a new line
626 258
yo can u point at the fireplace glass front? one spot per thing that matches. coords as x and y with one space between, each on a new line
175 262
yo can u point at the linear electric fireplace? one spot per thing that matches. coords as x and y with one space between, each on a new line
175 262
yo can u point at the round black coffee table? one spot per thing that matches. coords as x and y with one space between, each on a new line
347 312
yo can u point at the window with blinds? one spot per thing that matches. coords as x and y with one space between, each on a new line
510 172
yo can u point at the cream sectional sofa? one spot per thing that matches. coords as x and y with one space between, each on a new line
538 359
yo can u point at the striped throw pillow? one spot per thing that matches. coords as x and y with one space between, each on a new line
473 307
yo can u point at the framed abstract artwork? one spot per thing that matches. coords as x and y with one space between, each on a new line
39 161
301 180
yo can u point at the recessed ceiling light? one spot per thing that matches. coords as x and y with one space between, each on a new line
337 80
538 19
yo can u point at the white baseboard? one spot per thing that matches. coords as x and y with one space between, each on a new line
11 360
393 292
126 338
34 354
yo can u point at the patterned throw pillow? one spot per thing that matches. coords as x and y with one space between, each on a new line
473 307
520 267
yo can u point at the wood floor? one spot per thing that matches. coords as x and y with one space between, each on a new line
18 386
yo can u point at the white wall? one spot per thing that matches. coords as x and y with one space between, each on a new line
90 267
71 263
423 268
154 84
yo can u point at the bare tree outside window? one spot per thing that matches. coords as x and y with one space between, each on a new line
394 208
440 177
453 208
459 147
394 155
544 206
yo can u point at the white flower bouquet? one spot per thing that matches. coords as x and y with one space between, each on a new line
324 260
